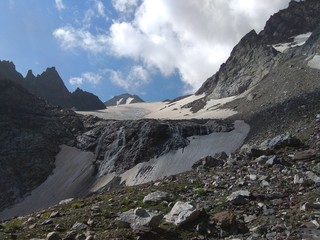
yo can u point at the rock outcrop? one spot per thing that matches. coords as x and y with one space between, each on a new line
120 145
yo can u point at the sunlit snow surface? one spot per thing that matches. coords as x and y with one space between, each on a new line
166 110
298 41
314 62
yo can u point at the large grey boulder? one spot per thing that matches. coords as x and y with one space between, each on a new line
281 141
139 219
182 213
157 196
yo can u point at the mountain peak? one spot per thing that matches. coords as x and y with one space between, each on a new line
30 76
124 98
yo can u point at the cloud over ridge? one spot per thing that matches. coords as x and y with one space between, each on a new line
188 37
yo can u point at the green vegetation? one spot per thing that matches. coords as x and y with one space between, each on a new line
12 225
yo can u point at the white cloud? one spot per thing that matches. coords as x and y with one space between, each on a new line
89 77
124 5
59 5
136 77
100 8
190 37
76 81
70 37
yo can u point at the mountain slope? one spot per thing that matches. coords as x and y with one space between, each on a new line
254 56
30 134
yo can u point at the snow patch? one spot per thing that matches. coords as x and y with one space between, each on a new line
129 100
166 110
314 62
119 101
297 41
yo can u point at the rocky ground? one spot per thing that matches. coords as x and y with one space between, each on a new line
265 191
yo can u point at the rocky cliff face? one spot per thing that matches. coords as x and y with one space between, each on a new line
30 134
254 57
50 87
120 145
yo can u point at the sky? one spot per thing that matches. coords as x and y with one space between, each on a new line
157 49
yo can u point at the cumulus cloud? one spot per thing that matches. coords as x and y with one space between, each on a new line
137 77
88 77
70 37
59 5
190 37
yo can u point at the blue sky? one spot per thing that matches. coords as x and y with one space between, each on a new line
158 49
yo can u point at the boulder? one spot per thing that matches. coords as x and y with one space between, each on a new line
139 219
305 155
79 226
281 141
313 177
239 197
208 162
53 236
182 213
155 197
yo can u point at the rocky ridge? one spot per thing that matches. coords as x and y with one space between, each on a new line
253 57
50 87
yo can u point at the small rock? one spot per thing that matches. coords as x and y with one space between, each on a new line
253 177
307 206
272 161
53 236
305 155
313 177
66 201
55 214
208 162
47 222
79 226
155 197
297 179
265 183
239 197
261 160
182 213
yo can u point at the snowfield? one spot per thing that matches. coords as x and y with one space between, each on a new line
166 110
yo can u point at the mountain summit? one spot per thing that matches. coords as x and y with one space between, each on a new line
125 98
51 87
